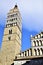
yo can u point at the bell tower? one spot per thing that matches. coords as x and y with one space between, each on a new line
11 44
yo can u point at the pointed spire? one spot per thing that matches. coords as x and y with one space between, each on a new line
16 6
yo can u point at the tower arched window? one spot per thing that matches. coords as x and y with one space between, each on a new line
10 31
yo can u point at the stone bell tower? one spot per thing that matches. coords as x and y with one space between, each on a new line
11 44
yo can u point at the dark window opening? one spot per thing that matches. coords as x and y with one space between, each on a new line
28 52
34 43
20 54
42 50
38 51
41 42
15 57
35 52
38 42
10 31
9 38
25 53
31 51
12 19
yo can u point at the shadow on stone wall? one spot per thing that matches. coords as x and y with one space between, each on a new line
35 62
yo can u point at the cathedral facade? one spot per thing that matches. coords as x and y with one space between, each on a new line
33 53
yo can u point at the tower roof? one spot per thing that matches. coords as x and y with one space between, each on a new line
15 7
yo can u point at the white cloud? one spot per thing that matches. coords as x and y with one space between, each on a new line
33 15
31 11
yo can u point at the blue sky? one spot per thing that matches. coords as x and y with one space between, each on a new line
32 18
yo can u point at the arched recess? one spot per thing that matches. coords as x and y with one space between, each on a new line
25 53
34 43
40 42
37 43
41 51
35 52
38 51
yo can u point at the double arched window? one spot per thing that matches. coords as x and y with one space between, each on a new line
10 31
